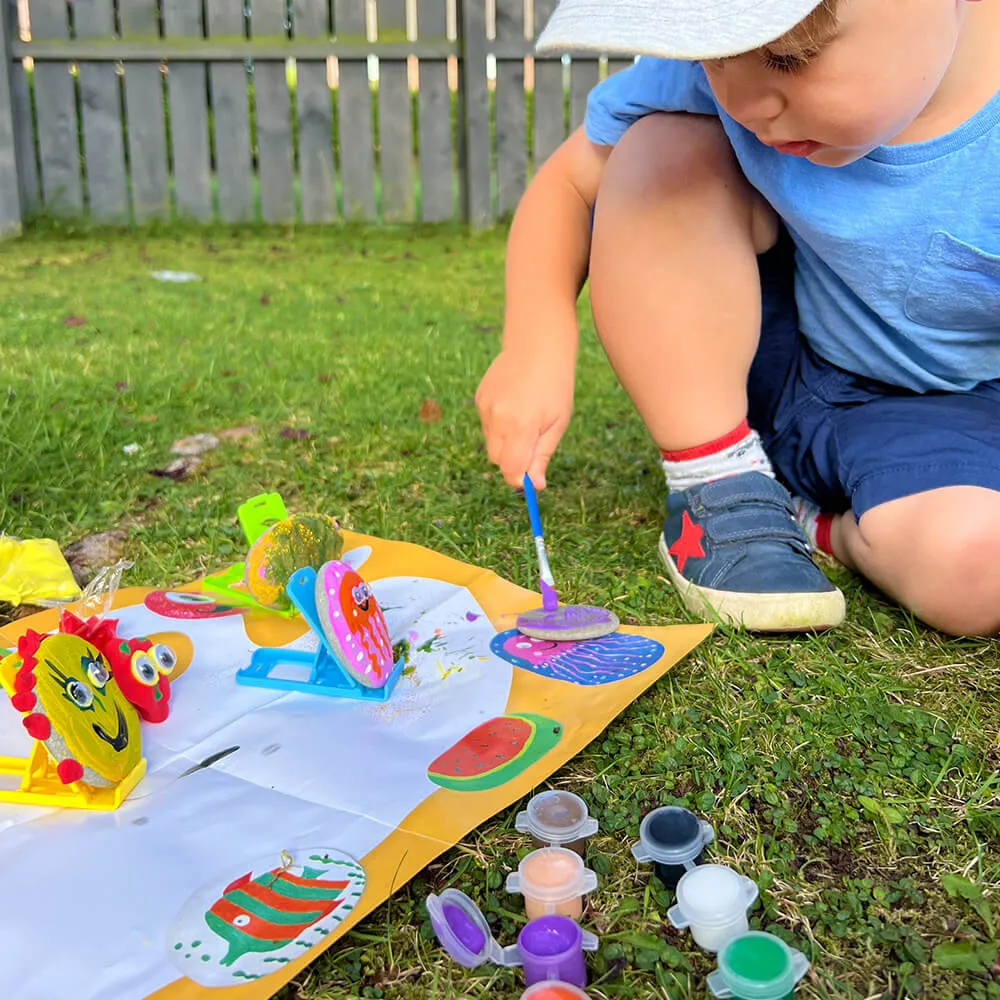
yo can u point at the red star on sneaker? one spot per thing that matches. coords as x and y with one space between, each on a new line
688 546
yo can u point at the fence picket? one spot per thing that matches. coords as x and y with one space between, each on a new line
186 86
100 105
55 107
315 115
475 115
230 117
584 76
354 117
10 194
437 181
511 125
145 122
394 120
549 99
274 118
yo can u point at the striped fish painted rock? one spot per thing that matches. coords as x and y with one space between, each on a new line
266 917
589 662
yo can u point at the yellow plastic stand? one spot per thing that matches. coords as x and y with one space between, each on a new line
41 785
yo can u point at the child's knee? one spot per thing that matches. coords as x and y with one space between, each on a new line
954 585
684 158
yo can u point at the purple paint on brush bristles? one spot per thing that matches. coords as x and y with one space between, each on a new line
550 599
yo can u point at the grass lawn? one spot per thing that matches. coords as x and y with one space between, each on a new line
853 774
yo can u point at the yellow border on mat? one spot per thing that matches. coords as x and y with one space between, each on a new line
445 816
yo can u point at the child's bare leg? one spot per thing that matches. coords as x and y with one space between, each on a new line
673 280
937 553
675 288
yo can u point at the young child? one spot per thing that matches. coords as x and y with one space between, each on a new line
789 211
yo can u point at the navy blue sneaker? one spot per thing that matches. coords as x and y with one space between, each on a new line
735 552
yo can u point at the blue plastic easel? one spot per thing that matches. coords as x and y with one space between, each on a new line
328 674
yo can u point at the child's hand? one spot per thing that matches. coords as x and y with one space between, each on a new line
525 401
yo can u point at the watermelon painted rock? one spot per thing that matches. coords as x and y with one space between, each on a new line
495 752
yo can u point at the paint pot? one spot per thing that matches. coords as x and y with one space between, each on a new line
757 966
674 840
549 948
712 901
557 819
552 947
552 880
553 991
463 931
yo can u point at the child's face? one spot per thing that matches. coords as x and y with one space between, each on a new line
864 89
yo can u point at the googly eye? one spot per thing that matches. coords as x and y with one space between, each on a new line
80 693
241 921
144 669
98 673
165 658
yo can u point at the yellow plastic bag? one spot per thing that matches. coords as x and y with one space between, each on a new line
34 571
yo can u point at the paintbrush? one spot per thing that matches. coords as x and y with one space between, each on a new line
550 621
550 599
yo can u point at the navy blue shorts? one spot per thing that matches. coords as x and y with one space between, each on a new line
847 442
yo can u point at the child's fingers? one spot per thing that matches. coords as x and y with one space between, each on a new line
516 453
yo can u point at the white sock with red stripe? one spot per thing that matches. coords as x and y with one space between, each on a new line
732 454
815 523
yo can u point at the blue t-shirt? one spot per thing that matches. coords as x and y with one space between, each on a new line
897 254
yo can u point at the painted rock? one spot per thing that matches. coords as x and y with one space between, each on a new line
72 704
228 934
495 752
294 543
140 667
586 663
353 624
187 605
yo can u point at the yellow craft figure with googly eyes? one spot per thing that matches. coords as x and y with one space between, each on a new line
72 704
141 668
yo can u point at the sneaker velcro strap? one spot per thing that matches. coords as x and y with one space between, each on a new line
756 523
733 490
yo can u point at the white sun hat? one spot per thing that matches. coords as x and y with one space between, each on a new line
670 29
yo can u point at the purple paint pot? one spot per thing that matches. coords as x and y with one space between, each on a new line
674 840
551 948
568 621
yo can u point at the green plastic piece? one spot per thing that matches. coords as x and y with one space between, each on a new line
259 513
256 515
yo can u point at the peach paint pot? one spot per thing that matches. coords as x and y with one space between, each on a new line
552 880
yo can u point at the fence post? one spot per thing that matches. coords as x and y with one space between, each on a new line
474 118
10 194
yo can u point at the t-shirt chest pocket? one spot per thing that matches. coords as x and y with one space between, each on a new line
956 287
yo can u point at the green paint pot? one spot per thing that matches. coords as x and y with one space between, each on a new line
757 966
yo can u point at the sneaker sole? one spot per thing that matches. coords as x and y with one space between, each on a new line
757 612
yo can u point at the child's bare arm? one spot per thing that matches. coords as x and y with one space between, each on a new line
526 397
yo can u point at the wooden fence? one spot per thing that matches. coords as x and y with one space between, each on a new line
126 111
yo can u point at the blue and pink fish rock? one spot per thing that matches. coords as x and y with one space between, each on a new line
589 662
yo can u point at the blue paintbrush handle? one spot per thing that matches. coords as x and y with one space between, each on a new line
531 499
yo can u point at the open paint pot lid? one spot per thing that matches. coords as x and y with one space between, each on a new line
556 818
672 835
568 622
463 932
